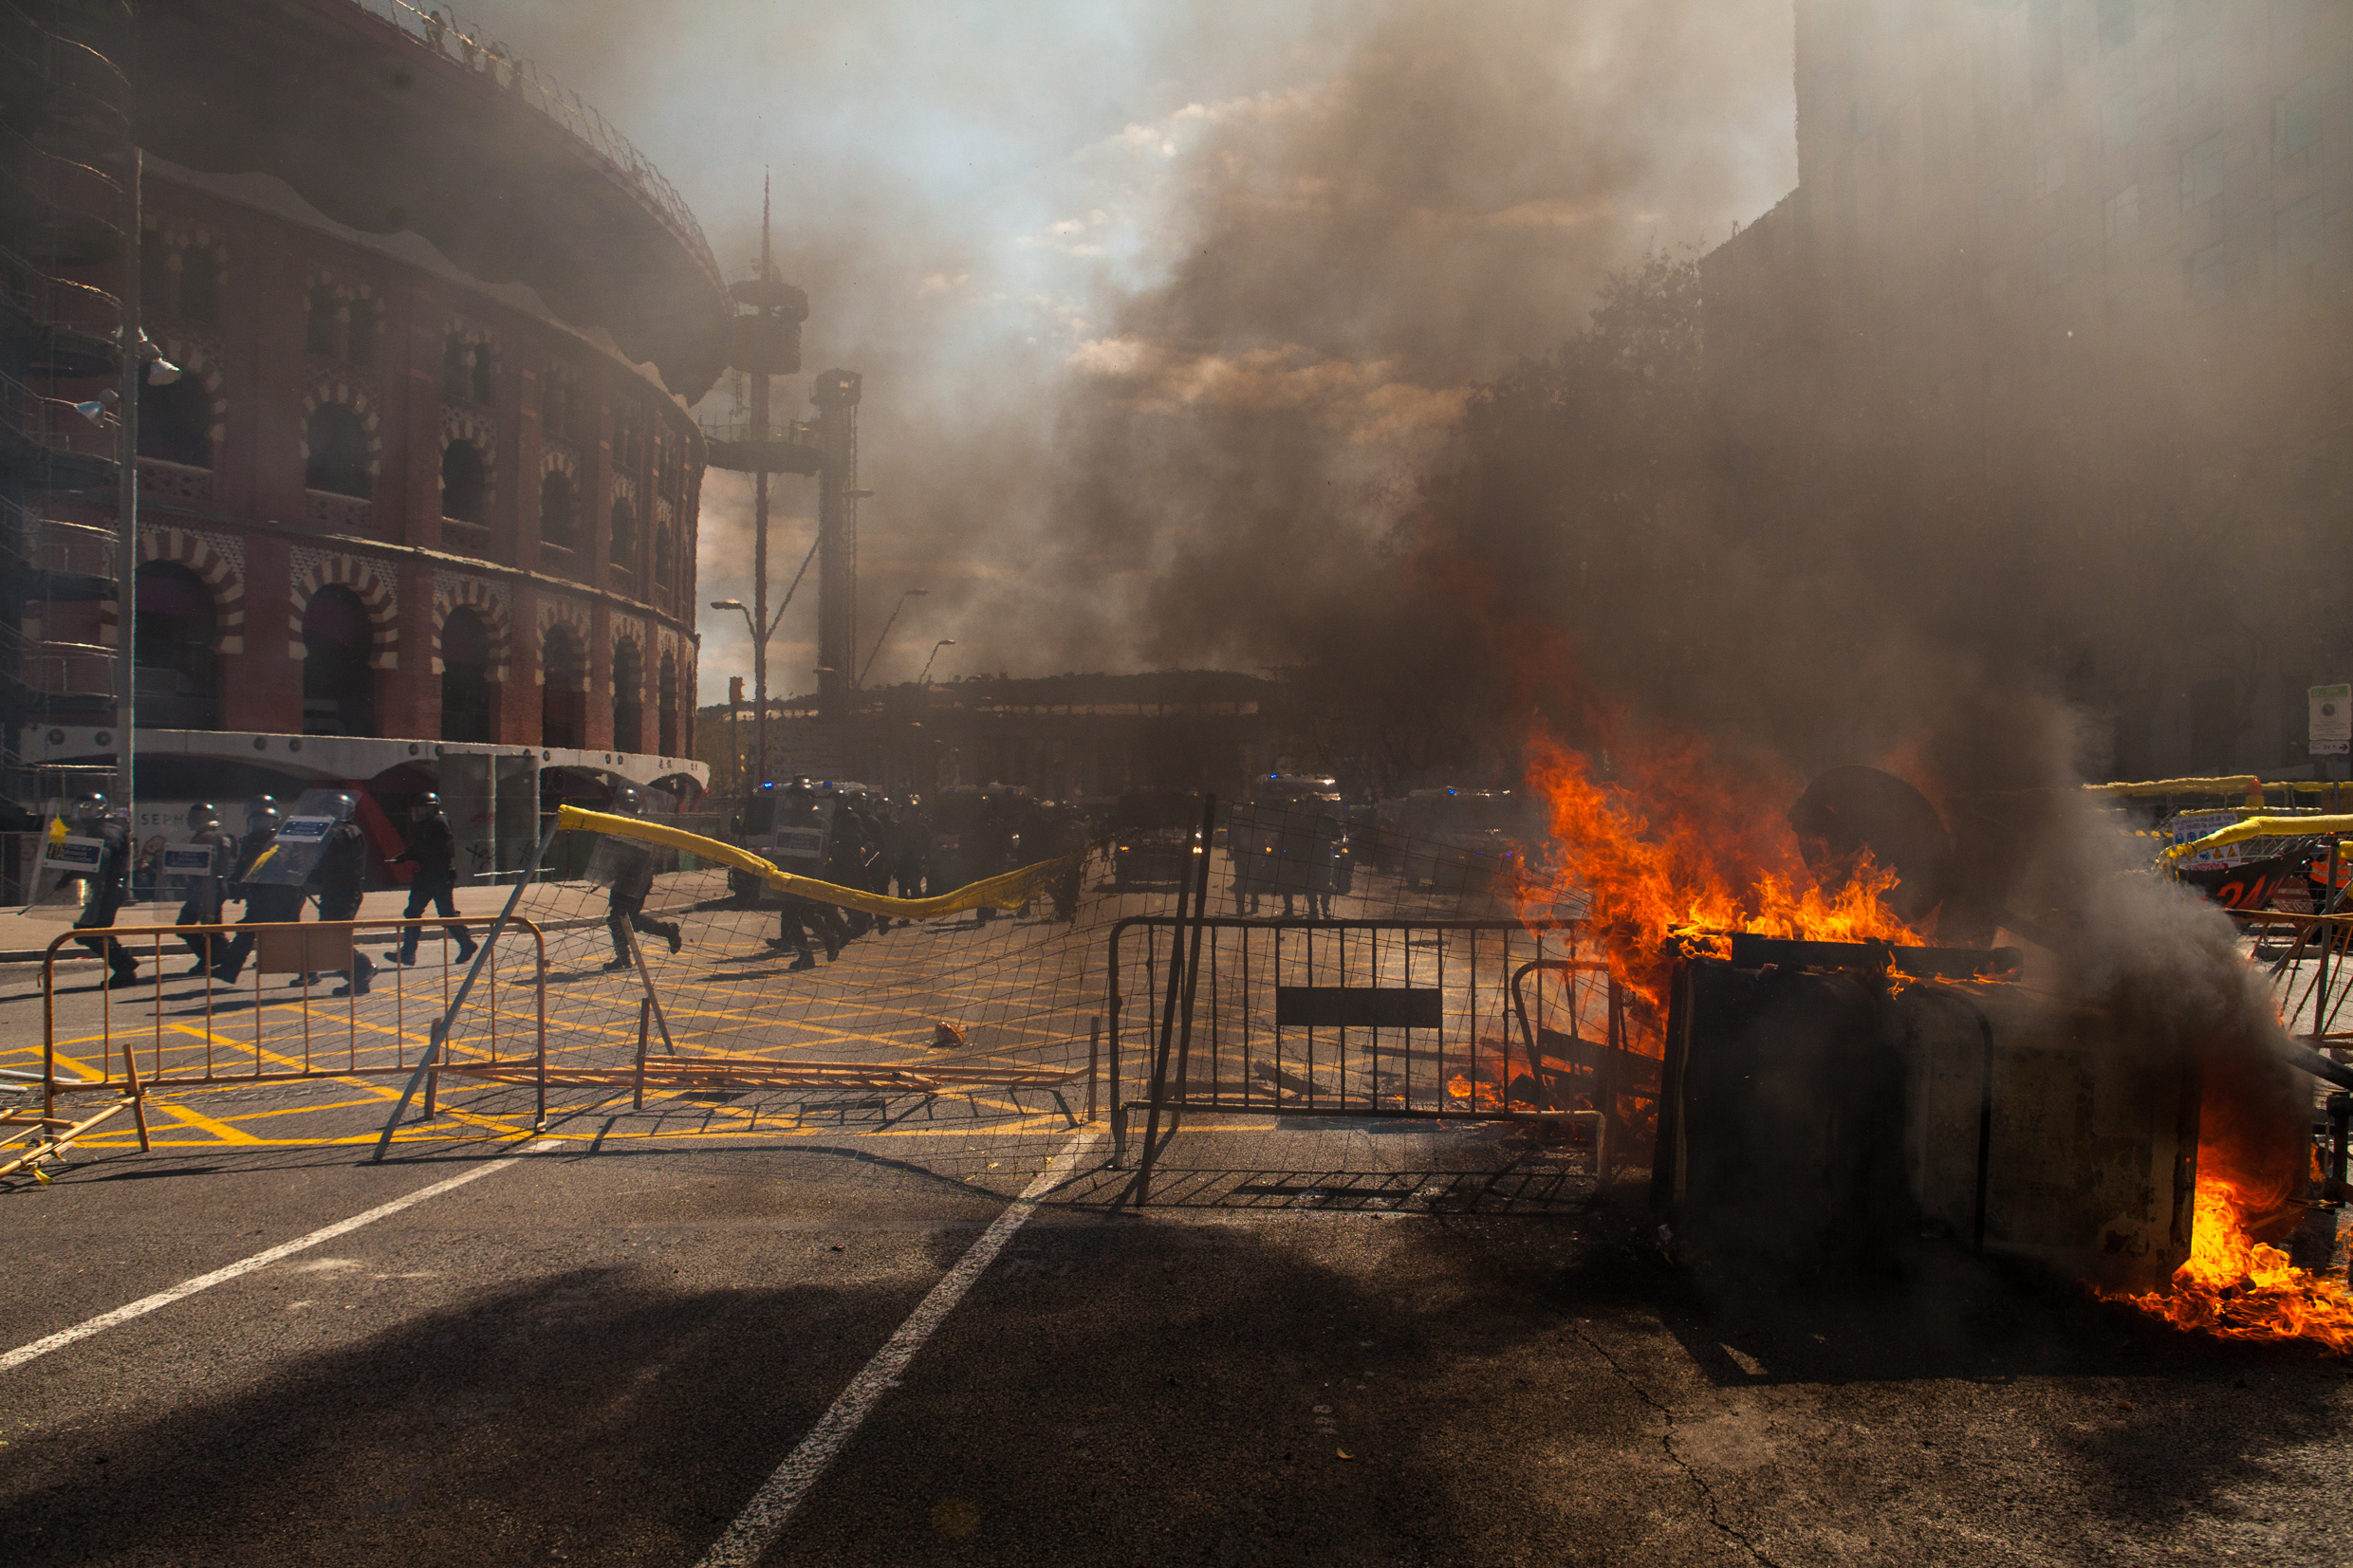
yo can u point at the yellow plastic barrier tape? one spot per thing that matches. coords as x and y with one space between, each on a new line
2234 784
2262 827
1010 891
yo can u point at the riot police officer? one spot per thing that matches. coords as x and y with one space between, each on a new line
849 856
340 879
633 880
107 881
208 890
433 852
263 904
799 808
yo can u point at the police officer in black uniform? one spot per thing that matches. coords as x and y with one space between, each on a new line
340 879
108 886
263 904
799 808
633 881
207 893
849 855
433 852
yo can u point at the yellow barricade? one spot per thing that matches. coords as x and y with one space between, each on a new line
1007 892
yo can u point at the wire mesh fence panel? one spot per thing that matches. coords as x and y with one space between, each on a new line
219 1004
659 989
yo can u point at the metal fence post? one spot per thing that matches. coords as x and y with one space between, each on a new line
1094 1053
1176 976
440 1033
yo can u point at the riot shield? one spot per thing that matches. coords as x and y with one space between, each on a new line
624 865
801 838
294 854
66 856
186 865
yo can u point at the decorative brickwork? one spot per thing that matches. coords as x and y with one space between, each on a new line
573 614
353 395
450 591
201 358
373 582
219 561
479 429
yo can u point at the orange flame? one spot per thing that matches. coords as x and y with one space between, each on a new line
2241 1288
1680 846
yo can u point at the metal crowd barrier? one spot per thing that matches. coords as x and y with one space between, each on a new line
1356 1018
266 1029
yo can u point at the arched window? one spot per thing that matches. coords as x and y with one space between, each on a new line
665 545
199 284
466 677
338 685
465 482
555 509
624 539
338 452
628 696
178 671
666 704
564 693
363 331
175 421
319 334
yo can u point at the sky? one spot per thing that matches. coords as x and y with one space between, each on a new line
1108 269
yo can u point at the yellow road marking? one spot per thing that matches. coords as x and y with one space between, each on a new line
197 1119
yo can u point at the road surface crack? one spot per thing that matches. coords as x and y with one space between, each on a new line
1666 1444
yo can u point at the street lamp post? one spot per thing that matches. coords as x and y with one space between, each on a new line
892 619
759 657
925 678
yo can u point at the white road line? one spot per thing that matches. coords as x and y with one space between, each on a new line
146 1304
764 1518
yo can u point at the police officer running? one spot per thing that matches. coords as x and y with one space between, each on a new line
262 903
633 880
433 852
339 877
108 886
208 890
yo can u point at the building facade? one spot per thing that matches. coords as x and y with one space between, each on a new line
1062 737
2057 311
419 508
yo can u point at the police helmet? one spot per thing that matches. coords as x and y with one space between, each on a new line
260 818
626 801
90 808
342 805
202 812
427 804
259 809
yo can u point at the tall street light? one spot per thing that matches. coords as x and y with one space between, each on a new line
912 593
760 717
925 678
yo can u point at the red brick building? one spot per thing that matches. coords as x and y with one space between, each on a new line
420 510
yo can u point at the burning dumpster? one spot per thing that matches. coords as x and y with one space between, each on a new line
1824 1100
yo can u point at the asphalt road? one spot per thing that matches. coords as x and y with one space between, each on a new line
1323 1342
598 1356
